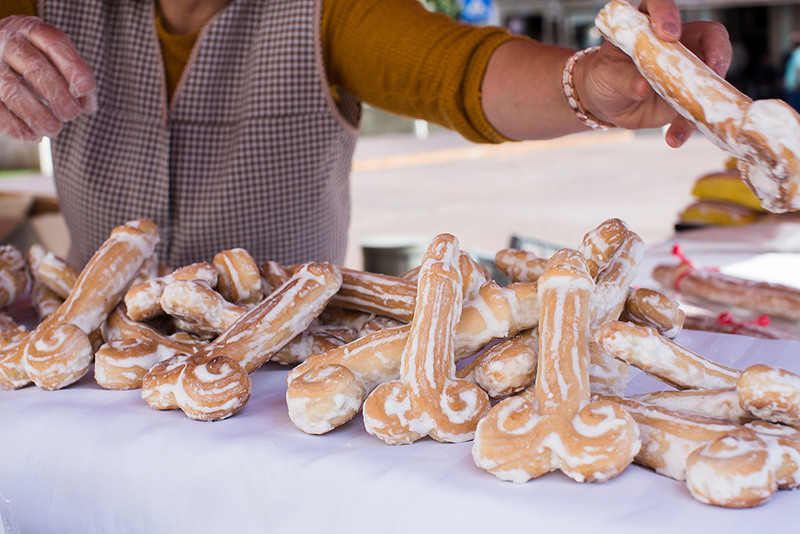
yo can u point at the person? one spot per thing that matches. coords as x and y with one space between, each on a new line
233 123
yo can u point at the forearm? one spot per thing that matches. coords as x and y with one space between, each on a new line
398 56
522 93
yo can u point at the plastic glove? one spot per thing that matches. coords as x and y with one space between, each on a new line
43 80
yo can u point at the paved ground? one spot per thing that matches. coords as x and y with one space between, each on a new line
553 191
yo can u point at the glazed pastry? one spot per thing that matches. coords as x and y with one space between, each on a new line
316 339
380 294
554 425
273 275
119 326
12 361
143 300
123 363
427 399
607 375
613 252
647 307
12 366
353 319
771 394
496 313
261 332
722 403
723 463
764 136
239 279
204 386
376 323
507 367
52 271
519 265
14 278
328 389
768 298
55 356
646 349
59 354
601 243
201 310
473 275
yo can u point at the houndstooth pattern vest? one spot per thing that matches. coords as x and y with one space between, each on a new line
251 152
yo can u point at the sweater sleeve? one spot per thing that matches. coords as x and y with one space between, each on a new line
398 56
17 7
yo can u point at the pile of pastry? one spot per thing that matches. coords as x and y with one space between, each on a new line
533 372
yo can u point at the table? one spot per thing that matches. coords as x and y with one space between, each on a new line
84 459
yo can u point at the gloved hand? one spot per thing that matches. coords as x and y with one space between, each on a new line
43 80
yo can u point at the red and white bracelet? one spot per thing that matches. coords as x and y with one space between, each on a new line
568 83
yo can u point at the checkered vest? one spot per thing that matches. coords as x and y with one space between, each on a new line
251 152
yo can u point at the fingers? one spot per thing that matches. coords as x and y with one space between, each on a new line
28 61
24 105
665 18
12 126
708 40
711 43
65 58
43 80
679 131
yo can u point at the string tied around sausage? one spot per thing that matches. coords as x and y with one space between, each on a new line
728 319
677 251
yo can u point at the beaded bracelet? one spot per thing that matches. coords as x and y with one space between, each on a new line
568 83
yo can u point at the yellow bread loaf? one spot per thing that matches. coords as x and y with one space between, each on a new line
726 186
712 212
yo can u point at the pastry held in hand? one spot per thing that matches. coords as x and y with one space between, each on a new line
764 136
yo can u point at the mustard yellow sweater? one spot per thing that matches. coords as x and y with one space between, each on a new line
394 55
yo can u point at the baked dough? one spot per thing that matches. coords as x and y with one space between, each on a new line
764 136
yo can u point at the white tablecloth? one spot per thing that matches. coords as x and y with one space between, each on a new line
85 460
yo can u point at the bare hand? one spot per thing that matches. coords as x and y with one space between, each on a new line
616 90
43 80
